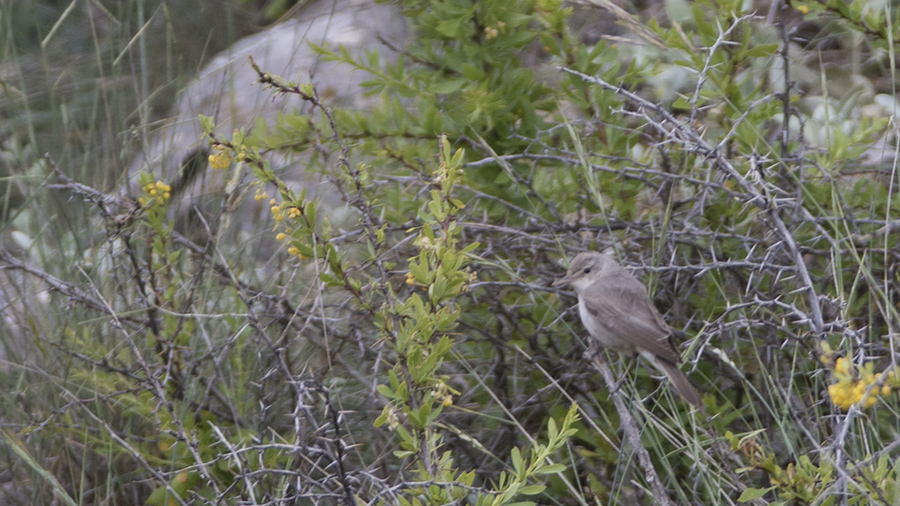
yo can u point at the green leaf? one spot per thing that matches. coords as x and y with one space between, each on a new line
472 73
206 122
450 85
552 469
533 489
516 458
552 431
752 494
427 368
331 281
681 103
386 391
434 414
761 50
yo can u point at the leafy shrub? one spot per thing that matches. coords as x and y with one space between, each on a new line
419 355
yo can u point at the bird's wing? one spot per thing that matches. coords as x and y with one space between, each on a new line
621 305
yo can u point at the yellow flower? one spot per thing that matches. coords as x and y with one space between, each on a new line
294 251
293 213
280 236
842 366
845 394
220 159
158 193
803 9
392 419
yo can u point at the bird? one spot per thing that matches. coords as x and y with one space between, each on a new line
619 315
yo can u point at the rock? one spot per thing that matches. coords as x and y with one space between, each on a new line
226 90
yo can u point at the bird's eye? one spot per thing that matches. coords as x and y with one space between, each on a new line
587 271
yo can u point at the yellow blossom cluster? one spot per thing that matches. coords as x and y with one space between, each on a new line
220 158
424 242
857 383
279 212
157 193
443 394
491 32
473 276
392 419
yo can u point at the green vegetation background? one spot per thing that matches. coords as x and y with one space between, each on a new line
742 164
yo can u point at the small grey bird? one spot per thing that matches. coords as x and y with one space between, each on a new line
619 315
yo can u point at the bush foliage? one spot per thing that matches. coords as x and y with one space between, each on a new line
416 353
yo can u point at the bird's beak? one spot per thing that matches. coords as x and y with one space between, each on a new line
565 280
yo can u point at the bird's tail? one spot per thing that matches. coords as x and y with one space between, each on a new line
681 382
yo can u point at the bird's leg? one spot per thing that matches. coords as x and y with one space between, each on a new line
624 374
594 352
628 367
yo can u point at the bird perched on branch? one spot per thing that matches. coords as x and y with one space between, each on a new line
619 315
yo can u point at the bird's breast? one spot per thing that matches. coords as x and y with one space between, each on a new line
602 332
